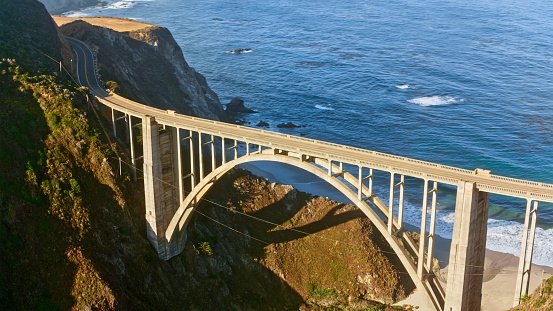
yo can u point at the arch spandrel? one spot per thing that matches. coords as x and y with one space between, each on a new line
180 220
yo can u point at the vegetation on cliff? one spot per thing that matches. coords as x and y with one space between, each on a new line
540 300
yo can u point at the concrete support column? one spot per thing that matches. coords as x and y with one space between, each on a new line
201 155
422 237
192 161
468 246
526 250
430 254
223 151
131 141
391 203
179 183
401 203
113 122
153 187
213 159
360 185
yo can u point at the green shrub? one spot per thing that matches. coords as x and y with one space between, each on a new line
205 248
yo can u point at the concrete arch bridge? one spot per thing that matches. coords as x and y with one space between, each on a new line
169 205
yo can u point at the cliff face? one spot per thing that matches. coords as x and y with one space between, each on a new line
149 67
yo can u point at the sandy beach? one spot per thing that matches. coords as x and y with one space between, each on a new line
500 270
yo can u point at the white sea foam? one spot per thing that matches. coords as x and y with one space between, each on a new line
506 236
403 86
108 5
502 235
448 218
327 107
434 100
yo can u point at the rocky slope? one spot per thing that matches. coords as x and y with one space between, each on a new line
149 67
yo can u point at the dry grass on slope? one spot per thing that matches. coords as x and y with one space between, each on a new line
540 300
114 23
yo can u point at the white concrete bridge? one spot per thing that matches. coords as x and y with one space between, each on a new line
173 188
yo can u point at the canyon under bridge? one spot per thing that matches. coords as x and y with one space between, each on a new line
173 188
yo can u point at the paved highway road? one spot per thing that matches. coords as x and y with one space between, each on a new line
335 152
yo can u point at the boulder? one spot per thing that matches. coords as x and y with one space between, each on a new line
262 124
236 105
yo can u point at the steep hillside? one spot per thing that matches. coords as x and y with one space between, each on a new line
148 66
27 36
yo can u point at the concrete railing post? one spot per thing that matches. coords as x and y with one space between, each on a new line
468 247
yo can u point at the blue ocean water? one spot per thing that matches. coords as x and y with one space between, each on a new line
462 83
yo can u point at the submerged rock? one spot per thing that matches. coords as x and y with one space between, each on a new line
262 124
287 125
239 50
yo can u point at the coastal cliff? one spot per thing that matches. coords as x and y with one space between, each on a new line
148 66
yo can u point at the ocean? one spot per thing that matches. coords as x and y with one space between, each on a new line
462 83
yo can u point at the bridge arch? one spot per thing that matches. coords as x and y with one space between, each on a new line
175 232
464 284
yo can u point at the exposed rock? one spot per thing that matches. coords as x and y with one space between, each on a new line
236 105
150 54
287 125
262 124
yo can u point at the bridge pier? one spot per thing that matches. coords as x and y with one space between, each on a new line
161 183
468 247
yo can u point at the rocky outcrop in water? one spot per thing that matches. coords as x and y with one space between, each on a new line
149 67
236 105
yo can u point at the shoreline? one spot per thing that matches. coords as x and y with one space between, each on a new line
498 288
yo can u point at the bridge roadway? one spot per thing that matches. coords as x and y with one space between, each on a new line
331 151
167 221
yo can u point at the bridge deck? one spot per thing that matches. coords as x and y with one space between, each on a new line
335 152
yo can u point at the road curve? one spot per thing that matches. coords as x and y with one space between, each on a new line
335 152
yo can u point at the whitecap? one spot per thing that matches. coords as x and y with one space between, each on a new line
434 100
449 218
403 86
327 107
